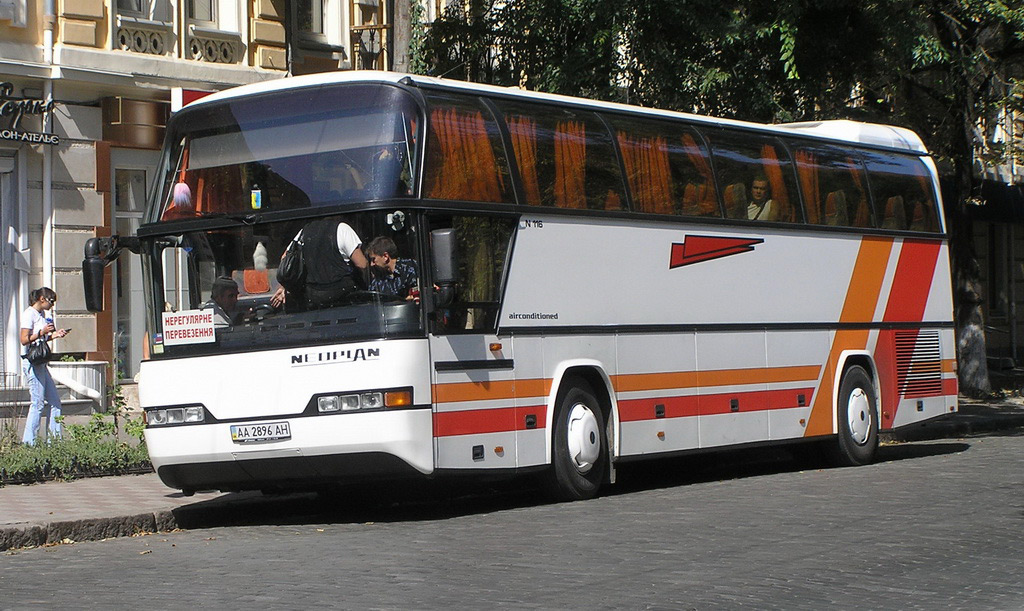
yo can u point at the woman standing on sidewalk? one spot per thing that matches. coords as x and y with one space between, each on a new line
35 325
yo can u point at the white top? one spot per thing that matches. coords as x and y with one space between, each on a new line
33 320
348 240
755 212
849 131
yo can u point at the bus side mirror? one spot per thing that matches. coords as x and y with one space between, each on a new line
99 252
92 273
444 265
92 277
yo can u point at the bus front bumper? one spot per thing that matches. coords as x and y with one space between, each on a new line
329 449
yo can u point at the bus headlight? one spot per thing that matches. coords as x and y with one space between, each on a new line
371 400
175 415
330 403
363 401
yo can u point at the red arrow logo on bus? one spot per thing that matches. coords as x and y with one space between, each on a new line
697 248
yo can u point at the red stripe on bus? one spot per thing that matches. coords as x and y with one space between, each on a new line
633 410
861 302
950 387
912 282
495 420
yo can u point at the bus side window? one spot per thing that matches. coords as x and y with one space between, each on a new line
834 188
482 246
465 157
566 158
667 168
756 178
902 187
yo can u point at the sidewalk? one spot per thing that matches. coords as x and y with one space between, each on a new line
101 507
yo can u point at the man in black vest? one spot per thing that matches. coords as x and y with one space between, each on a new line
330 253
330 248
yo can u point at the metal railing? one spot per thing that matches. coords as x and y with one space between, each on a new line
11 391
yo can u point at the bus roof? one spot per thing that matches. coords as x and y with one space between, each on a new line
871 134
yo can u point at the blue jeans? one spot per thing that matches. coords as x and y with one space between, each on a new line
40 386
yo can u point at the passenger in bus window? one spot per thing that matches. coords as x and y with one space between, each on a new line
331 255
224 301
760 206
391 275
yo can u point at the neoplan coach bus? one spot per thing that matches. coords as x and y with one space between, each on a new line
598 283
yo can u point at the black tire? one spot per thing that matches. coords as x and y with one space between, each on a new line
579 447
857 414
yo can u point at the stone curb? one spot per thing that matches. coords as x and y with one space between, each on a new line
90 529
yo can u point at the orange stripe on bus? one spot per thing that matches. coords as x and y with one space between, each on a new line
491 390
948 365
861 302
723 377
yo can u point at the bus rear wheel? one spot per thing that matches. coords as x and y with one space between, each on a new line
579 448
858 419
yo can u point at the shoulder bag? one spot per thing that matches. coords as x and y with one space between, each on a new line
38 352
291 273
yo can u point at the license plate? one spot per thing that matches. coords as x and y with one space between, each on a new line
264 431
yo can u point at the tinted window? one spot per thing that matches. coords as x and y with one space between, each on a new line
834 187
482 246
465 157
667 168
565 158
902 191
755 176
315 146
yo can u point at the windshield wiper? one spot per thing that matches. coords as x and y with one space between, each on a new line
248 218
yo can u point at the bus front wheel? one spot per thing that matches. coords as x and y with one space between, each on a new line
579 448
857 419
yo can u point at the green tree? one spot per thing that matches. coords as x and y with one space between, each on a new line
939 67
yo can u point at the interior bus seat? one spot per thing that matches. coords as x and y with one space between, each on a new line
862 215
919 219
693 196
736 201
699 200
894 213
835 209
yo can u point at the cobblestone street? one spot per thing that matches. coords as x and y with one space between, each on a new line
932 525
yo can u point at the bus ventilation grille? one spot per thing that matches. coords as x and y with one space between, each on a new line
918 364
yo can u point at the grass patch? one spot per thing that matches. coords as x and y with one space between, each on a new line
109 444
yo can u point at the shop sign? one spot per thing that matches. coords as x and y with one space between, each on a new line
12 111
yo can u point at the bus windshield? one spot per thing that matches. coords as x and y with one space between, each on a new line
318 146
216 291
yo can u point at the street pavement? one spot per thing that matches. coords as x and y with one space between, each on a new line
104 507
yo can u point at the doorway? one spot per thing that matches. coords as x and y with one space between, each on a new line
132 175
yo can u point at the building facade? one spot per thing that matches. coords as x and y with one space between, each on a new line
998 226
86 88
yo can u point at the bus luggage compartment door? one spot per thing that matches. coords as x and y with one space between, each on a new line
474 402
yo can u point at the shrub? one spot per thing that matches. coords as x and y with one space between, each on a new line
108 444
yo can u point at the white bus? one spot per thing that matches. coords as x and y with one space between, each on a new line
597 283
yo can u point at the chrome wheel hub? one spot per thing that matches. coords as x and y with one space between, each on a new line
584 438
858 414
